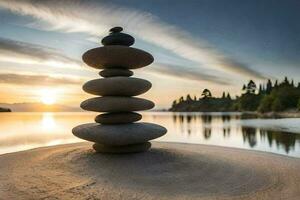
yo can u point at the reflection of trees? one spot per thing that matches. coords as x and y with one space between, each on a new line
174 116
207 133
226 132
249 135
195 118
206 119
181 119
284 139
188 120
281 139
226 118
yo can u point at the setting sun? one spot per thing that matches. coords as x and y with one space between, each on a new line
48 97
48 100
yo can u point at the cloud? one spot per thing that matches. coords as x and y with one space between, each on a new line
27 53
25 79
96 18
190 74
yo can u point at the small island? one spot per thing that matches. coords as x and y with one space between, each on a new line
5 110
270 99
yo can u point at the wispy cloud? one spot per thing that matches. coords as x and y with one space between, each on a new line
96 18
22 52
184 73
37 80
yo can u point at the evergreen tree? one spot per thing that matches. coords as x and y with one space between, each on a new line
228 96
276 84
188 97
174 103
181 99
260 90
195 98
251 87
286 81
223 95
269 87
244 88
206 93
264 88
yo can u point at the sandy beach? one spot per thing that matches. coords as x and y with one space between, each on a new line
167 171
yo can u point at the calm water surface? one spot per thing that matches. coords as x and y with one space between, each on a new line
21 131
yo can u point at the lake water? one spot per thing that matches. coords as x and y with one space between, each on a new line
21 131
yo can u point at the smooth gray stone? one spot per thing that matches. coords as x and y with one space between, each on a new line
117 56
132 148
117 86
116 104
116 29
118 118
119 134
118 39
115 72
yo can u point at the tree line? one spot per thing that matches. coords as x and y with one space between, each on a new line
271 96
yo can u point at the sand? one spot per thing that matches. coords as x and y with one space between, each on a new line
167 171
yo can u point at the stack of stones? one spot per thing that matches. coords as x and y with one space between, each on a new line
116 130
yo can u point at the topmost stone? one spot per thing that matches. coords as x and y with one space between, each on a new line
116 29
117 38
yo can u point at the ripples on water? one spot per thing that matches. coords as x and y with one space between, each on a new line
21 131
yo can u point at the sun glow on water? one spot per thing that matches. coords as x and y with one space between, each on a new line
48 122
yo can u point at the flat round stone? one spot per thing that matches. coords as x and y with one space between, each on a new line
132 148
117 86
116 104
115 72
119 134
116 29
118 118
118 39
117 56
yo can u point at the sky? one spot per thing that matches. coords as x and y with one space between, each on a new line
196 44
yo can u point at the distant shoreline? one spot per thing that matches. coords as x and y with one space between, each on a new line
5 109
248 114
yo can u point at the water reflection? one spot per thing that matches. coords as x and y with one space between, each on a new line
226 132
249 135
254 138
280 139
20 131
48 121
